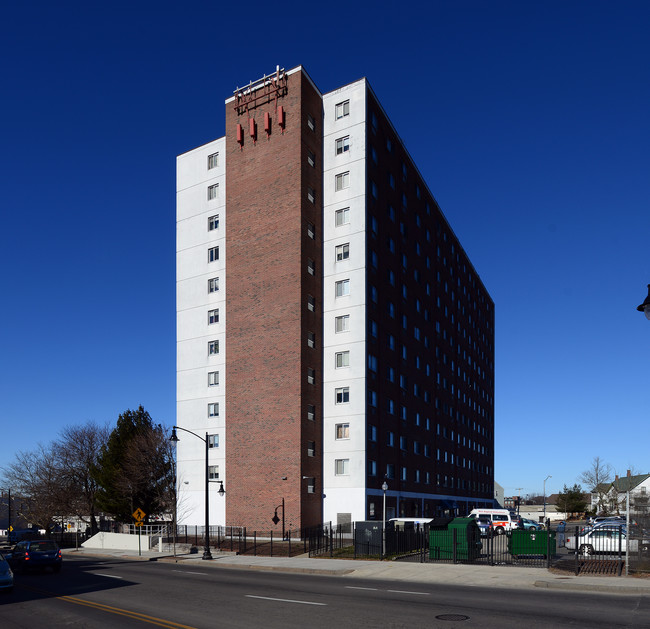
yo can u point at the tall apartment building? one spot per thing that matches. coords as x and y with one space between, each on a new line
331 331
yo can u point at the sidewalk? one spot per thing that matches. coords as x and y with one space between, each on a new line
502 577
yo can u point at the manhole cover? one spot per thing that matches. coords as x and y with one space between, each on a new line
452 617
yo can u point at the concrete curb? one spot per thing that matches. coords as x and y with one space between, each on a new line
592 587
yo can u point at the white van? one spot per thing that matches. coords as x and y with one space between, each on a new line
500 518
406 524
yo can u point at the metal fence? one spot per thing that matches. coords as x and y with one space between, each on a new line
365 540
610 549
239 540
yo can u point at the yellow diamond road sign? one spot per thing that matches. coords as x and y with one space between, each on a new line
139 514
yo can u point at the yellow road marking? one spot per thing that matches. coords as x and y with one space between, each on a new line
116 610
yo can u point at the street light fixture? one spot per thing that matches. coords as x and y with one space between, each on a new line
206 552
549 476
645 306
384 488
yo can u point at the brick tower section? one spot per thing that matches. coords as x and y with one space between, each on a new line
274 307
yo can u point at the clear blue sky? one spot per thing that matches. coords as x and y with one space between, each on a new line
529 120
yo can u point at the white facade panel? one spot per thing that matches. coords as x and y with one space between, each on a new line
344 197
200 199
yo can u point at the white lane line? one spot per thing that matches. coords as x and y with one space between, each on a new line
284 600
203 574
108 576
407 592
353 587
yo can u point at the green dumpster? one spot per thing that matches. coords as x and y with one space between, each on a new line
466 534
531 543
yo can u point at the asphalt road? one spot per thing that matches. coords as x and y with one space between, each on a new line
102 593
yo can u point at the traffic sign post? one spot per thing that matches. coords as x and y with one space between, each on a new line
139 514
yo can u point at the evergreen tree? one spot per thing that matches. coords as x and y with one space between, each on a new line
571 500
134 469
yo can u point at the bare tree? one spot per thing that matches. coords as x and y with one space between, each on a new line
77 451
148 472
598 479
36 478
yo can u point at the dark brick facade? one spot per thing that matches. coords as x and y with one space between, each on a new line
273 243
431 329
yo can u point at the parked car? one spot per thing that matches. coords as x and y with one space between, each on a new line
605 539
531 525
35 554
605 518
484 523
602 522
6 576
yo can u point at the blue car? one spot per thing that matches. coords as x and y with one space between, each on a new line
6 576
35 555
531 525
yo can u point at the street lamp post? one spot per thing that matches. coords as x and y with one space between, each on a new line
206 552
645 306
549 476
384 488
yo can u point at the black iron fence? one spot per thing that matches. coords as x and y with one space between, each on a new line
463 544
610 548
239 540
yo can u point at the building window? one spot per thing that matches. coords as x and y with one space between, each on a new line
311 195
342 395
311 230
311 375
213 222
404 473
311 158
311 340
372 468
342 216
311 303
342 431
311 412
342 288
213 348
213 285
372 433
213 161
213 254
311 448
342 323
390 439
342 359
213 409
343 145
213 191
342 467
213 316
390 471
342 109
213 441
342 252
311 123
213 472
342 181
402 443
372 363
213 378
311 266
311 485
